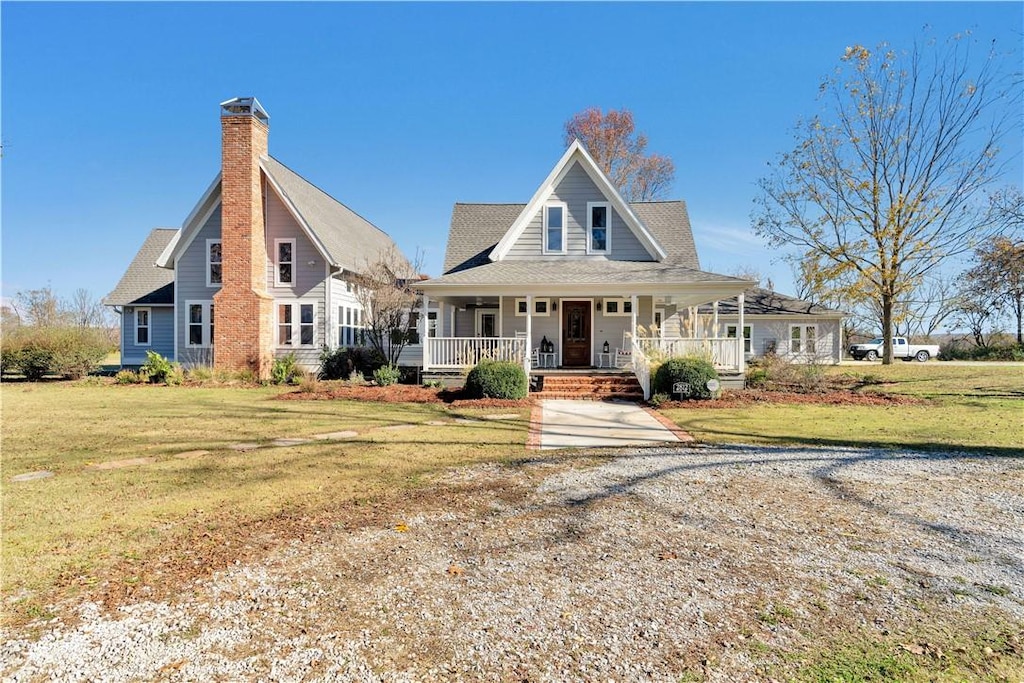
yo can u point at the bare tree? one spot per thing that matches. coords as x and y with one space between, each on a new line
747 271
39 307
997 278
83 310
929 306
621 152
388 302
885 183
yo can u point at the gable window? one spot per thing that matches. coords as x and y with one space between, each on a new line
554 228
142 326
803 338
199 330
214 262
730 332
296 324
618 306
598 227
541 307
284 270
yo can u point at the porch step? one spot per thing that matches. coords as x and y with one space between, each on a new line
597 387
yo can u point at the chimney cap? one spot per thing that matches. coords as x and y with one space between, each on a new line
245 106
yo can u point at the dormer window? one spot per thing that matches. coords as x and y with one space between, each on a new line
285 271
554 228
598 227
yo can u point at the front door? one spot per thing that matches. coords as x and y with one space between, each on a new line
576 334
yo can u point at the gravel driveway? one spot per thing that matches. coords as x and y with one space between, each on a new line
651 565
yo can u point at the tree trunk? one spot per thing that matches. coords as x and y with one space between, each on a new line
887 331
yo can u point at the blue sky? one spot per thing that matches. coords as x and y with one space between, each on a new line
110 119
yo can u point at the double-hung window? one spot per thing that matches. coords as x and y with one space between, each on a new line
214 262
284 267
730 332
142 326
199 328
555 216
598 227
803 339
296 324
349 326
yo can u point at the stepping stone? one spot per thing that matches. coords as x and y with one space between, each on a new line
31 476
438 423
331 436
508 416
244 447
191 454
467 421
289 442
118 464
397 428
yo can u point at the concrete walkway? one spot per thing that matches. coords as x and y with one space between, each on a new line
599 424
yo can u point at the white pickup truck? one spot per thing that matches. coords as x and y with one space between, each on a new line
874 349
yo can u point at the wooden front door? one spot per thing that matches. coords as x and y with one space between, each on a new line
576 334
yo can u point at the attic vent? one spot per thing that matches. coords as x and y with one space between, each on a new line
245 106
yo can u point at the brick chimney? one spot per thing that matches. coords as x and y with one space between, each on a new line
243 336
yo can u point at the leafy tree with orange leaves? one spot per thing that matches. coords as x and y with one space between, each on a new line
620 151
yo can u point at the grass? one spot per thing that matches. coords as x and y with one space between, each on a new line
968 408
88 529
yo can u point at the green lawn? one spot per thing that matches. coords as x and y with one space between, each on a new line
85 526
975 408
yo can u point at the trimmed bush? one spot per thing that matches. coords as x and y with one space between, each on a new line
386 375
694 372
342 363
496 379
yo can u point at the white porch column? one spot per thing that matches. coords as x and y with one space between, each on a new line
424 339
632 321
739 336
451 321
714 318
527 365
501 301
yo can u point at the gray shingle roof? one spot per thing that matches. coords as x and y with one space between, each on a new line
578 272
758 301
144 282
477 228
350 240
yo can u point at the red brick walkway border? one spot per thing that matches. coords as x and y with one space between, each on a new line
669 424
536 426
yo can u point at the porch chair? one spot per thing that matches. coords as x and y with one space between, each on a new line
624 354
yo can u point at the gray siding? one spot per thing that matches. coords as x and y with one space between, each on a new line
191 282
576 189
161 334
763 331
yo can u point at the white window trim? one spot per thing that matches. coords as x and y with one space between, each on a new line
748 332
209 281
565 231
622 301
803 339
355 322
207 319
607 229
277 263
547 306
148 326
296 323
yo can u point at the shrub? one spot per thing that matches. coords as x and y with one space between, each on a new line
157 367
496 379
129 377
284 370
175 377
386 375
71 352
957 350
692 372
342 363
308 383
199 373
658 399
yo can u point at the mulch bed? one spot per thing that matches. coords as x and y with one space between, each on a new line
733 399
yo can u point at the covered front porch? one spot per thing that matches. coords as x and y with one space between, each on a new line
579 330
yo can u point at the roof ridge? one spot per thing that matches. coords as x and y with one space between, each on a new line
327 194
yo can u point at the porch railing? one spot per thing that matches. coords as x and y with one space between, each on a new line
451 353
641 367
723 352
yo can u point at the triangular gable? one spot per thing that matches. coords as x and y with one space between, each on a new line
191 226
294 211
577 153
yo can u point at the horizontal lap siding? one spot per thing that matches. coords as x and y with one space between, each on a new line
576 190
763 331
191 283
161 335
